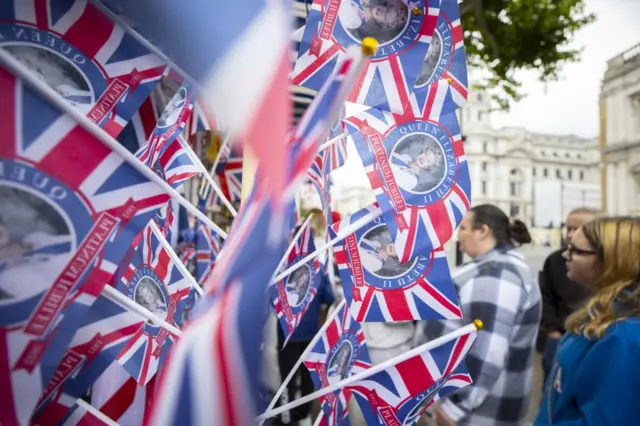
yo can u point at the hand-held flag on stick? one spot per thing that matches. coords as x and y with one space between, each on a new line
340 352
380 288
156 283
293 295
418 170
400 394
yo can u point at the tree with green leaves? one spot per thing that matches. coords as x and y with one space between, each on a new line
504 36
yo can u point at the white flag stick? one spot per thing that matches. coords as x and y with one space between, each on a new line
319 250
371 371
319 418
93 410
333 141
298 363
128 304
283 261
174 257
210 179
43 89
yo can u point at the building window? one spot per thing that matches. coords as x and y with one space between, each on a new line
558 174
516 181
484 166
484 187
514 210
581 175
479 97
545 172
533 171
484 147
569 174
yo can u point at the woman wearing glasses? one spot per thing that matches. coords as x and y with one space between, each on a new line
596 368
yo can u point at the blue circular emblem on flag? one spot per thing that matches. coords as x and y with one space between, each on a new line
380 262
298 286
412 409
390 22
66 69
148 291
422 161
342 356
42 222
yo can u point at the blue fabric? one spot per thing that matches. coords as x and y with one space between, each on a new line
594 382
549 355
310 323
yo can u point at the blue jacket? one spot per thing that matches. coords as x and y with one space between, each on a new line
594 382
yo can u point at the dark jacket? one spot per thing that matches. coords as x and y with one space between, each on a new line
560 296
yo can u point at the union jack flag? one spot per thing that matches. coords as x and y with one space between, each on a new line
165 219
90 207
379 288
334 25
156 283
339 352
292 295
441 87
83 55
208 247
105 331
418 171
169 125
400 394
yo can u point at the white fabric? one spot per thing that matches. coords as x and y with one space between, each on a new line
382 335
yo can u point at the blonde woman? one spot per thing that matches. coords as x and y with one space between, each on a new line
596 372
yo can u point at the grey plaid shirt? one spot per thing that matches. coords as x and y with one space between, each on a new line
499 289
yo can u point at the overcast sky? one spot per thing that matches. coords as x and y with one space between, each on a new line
571 104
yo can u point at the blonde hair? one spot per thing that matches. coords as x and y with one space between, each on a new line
318 223
617 292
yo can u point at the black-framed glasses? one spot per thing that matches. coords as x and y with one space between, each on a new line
573 250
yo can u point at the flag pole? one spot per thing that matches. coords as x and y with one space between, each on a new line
97 413
116 297
43 89
298 363
175 259
468 329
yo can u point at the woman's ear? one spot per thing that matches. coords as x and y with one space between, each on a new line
485 232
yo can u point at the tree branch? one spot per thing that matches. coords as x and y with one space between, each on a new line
478 12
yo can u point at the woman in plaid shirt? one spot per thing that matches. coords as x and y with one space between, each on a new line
497 287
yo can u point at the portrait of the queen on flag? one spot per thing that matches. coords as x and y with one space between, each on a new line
339 352
292 295
419 174
154 282
380 288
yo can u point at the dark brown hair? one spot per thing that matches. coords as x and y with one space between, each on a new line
503 230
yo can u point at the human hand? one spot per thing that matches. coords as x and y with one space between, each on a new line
555 335
441 418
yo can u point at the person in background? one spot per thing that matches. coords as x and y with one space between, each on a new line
560 296
496 287
288 355
596 374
